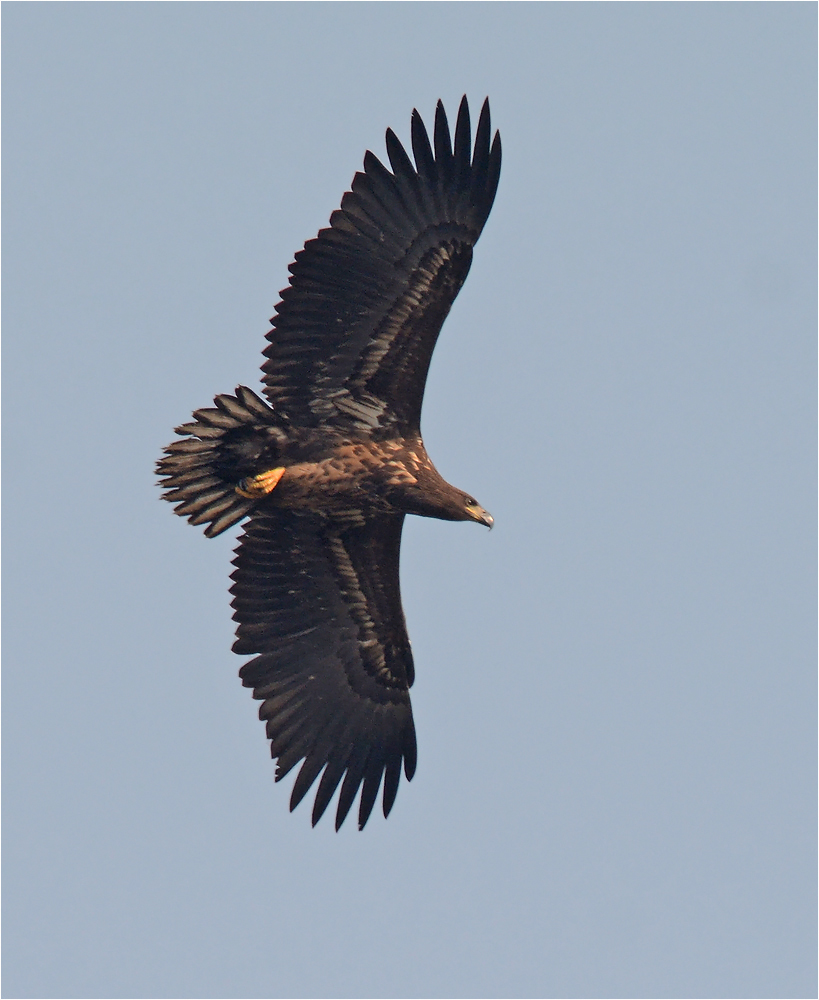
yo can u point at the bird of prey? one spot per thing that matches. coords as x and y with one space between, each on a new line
329 464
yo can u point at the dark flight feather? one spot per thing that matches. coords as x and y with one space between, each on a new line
322 600
382 277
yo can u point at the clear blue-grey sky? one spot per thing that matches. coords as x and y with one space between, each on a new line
615 699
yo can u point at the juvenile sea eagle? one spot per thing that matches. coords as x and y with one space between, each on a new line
328 467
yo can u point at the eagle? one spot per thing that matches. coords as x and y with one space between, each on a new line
326 467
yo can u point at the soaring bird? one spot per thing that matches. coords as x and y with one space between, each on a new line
327 467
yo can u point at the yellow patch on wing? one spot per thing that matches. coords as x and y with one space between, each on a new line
259 486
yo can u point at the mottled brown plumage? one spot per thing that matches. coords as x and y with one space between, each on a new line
329 466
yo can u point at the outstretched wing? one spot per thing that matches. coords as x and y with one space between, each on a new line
354 332
320 601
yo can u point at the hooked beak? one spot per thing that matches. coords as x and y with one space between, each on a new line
482 516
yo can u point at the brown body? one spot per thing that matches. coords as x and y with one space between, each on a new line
358 477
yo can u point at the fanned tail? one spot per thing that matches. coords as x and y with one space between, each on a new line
199 472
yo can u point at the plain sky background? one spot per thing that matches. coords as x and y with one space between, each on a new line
615 699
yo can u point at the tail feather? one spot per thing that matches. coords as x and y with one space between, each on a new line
192 469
